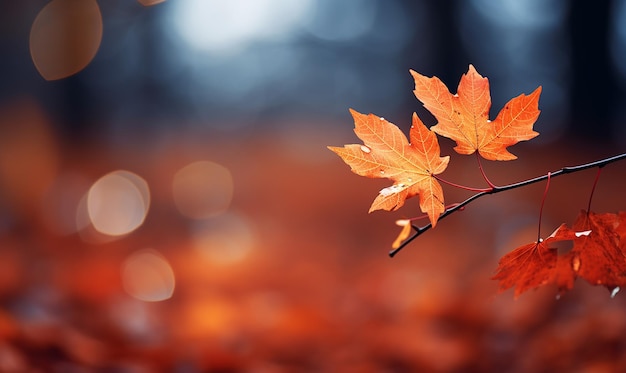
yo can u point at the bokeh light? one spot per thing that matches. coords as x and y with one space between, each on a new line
118 203
228 238
342 21
202 189
225 27
65 37
148 276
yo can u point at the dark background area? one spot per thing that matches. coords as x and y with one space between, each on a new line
172 206
155 70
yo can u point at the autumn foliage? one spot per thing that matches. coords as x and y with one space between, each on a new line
596 255
464 117
414 165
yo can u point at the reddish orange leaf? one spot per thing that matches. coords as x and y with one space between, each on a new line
464 117
597 257
386 153
532 265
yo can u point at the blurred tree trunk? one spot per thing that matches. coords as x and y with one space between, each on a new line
449 58
593 89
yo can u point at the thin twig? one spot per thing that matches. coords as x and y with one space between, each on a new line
497 189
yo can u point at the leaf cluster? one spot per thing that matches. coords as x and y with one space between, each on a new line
414 165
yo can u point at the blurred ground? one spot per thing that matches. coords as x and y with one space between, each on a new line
292 275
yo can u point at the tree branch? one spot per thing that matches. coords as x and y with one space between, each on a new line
497 189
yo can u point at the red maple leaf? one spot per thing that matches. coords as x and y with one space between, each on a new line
597 255
532 265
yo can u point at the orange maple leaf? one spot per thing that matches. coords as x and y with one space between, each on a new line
386 153
464 117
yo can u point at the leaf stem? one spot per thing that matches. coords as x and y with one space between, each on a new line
482 171
497 189
543 200
593 188
472 189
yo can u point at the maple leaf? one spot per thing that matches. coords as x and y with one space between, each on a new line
531 265
464 117
386 153
597 257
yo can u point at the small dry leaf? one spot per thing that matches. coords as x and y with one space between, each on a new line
404 233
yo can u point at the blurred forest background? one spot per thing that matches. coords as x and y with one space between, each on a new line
172 206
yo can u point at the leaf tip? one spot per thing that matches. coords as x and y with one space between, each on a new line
471 71
433 220
416 121
417 77
357 116
333 149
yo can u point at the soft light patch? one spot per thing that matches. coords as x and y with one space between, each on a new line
202 189
148 276
224 239
118 202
